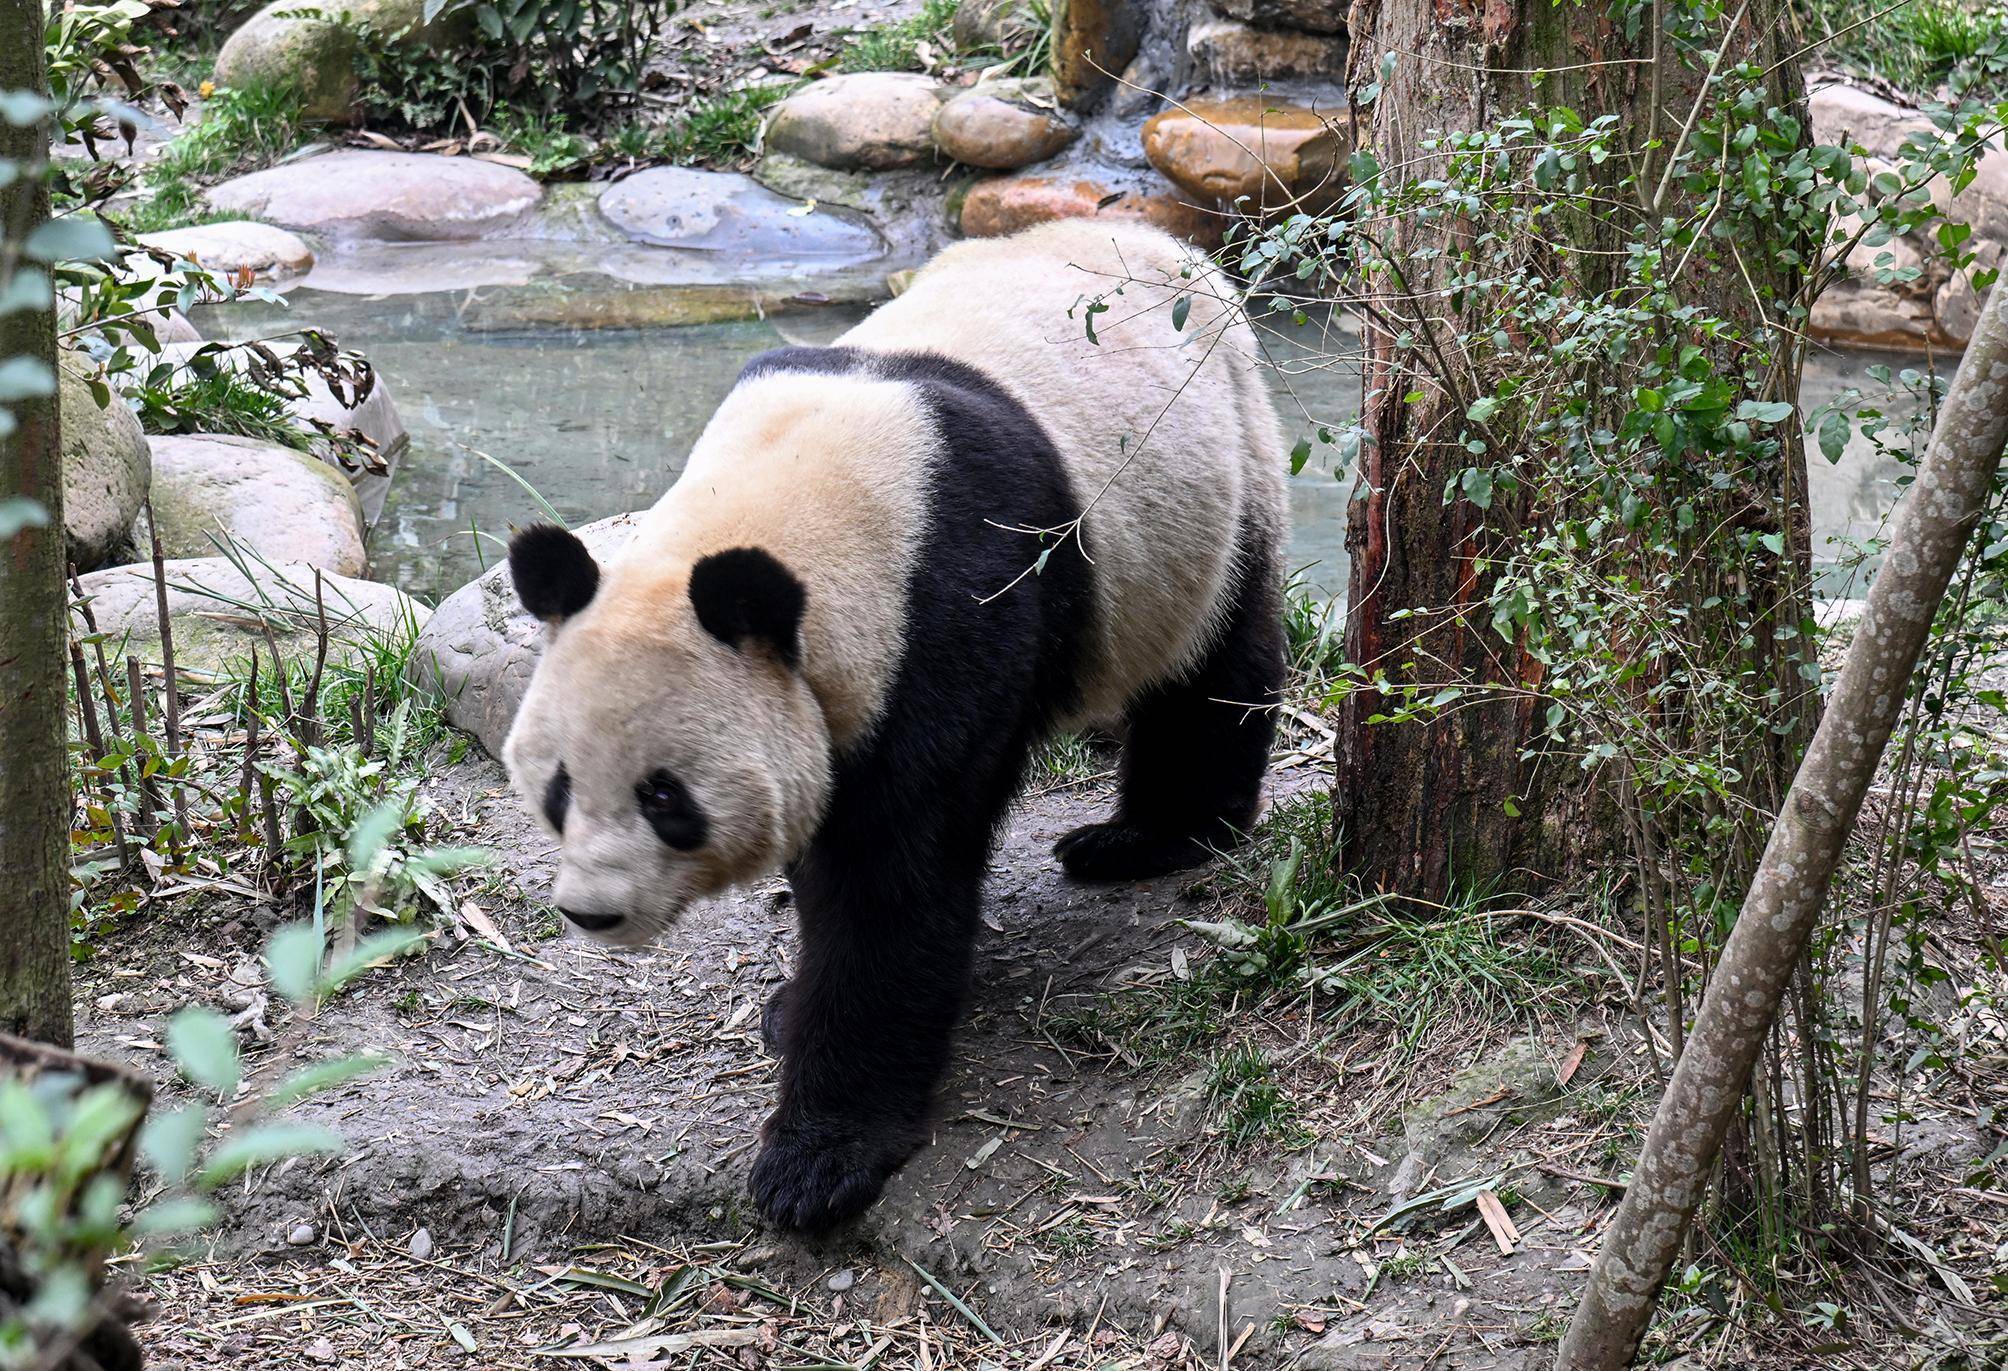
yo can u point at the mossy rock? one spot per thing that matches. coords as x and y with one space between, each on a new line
317 56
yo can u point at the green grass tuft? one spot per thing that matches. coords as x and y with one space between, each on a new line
237 130
896 47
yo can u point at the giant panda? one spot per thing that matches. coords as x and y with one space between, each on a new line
1040 490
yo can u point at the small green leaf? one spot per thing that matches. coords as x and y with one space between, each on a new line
1180 308
169 1141
1299 455
293 960
1483 408
25 378
18 512
269 1142
322 1076
1764 411
205 1049
71 239
1775 542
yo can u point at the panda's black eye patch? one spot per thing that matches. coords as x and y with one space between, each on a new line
667 805
558 798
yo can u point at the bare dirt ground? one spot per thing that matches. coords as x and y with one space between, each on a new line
556 1153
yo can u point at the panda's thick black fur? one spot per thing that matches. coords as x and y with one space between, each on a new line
889 888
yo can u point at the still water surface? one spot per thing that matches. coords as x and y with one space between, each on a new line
600 421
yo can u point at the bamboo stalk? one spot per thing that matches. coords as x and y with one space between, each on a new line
171 697
89 709
149 789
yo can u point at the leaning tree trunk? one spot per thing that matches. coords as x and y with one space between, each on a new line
1472 797
34 775
1933 527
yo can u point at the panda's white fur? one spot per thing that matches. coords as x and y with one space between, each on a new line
1166 432
1169 431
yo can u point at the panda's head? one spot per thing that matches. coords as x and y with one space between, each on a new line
668 739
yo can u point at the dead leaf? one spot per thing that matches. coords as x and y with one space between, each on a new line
1497 1220
1571 1062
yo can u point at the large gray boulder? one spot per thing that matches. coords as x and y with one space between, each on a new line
726 213
289 43
867 121
240 248
480 646
221 607
360 194
276 503
107 468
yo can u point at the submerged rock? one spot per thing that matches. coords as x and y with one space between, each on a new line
1006 204
871 121
1004 125
384 196
724 212
220 611
480 646
1268 151
238 247
274 502
107 468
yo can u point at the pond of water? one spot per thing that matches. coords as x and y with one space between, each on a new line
600 421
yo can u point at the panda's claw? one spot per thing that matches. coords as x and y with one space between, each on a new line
812 1178
1124 852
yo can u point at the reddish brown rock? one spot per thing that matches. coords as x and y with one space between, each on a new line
1006 204
1236 54
1273 154
1004 125
1091 40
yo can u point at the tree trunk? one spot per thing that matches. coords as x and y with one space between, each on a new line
34 770
1473 797
1932 528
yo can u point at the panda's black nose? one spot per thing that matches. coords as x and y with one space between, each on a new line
592 923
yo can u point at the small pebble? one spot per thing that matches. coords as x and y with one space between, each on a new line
843 1280
420 1245
303 1234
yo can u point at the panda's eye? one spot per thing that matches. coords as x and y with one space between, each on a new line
667 805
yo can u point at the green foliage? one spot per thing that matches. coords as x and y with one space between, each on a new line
64 1149
571 63
1918 46
902 46
321 798
723 129
1249 1103
237 130
1314 625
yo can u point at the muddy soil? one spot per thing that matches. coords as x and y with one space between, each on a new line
559 1094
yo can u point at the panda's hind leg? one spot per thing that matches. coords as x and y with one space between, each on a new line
1196 750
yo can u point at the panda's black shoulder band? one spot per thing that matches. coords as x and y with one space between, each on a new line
555 575
744 596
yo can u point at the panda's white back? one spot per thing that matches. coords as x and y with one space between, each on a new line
1167 433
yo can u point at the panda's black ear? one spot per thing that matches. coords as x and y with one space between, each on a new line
745 596
555 576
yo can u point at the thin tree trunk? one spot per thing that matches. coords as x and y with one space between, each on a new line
1762 954
1472 797
34 772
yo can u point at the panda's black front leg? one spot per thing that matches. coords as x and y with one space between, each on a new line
863 1030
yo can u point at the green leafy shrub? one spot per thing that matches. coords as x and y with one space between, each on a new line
580 63
238 130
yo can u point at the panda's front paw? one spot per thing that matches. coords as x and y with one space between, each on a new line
1121 852
813 1177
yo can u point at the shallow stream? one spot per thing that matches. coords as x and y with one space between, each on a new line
600 421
